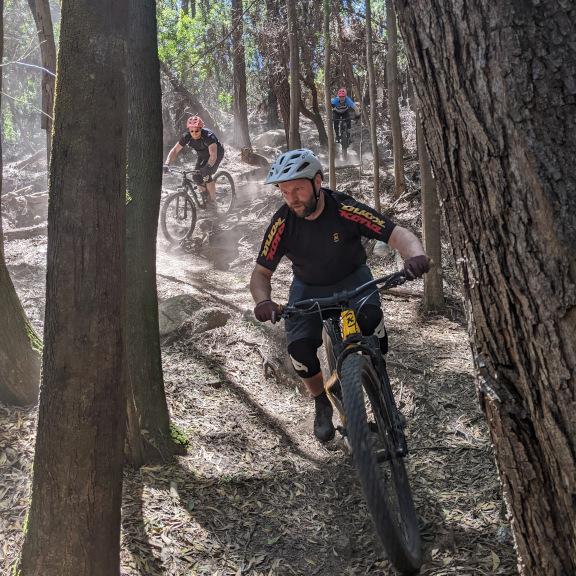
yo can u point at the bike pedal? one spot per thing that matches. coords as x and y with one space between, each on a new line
342 431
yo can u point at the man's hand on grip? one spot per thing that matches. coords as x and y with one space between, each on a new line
416 266
266 310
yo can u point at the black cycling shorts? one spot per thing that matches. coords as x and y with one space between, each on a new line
310 325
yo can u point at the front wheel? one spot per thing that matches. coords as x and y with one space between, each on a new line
345 142
381 470
178 217
225 192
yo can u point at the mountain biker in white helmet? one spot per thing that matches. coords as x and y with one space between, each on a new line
320 232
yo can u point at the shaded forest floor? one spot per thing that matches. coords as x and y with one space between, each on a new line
257 494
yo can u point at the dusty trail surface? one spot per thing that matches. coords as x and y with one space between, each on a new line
256 493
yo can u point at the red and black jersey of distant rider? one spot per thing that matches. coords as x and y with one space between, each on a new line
328 249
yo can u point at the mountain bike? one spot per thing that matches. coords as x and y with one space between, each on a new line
360 389
179 210
342 125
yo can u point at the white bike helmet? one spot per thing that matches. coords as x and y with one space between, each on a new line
293 165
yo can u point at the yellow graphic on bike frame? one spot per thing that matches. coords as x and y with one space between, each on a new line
349 324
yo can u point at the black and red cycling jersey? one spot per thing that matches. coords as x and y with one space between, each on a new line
328 249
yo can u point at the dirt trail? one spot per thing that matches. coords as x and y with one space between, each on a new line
257 494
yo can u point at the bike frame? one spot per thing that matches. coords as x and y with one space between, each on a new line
190 187
346 338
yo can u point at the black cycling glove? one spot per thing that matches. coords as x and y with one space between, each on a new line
416 266
267 310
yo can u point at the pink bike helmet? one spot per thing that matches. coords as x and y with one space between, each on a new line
342 92
194 122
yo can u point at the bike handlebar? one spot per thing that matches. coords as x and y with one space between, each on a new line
174 170
342 299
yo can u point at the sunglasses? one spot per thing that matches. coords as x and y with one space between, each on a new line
195 131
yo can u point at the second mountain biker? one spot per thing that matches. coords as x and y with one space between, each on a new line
320 231
209 149
341 106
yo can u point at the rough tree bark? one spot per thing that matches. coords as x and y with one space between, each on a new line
497 85
20 347
73 527
148 424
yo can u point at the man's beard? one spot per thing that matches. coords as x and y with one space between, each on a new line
308 208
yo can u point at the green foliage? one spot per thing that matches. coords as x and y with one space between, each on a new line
178 437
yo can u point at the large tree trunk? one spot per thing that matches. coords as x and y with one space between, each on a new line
148 431
73 527
393 107
373 106
294 141
20 347
240 106
41 13
496 84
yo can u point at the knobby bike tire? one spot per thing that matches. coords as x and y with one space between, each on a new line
178 217
382 474
225 192
345 142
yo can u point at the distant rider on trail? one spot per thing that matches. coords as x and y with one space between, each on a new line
210 153
341 106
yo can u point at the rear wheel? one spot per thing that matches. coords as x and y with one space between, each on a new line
225 192
178 217
382 472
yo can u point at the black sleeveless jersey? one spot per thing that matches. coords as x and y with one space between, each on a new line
328 249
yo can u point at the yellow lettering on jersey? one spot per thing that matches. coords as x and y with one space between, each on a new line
364 213
273 231
336 238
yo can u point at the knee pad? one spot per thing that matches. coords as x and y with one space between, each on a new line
303 354
371 321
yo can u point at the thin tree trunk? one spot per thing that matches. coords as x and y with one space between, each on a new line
393 107
294 141
148 430
314 115
373 106
327 96
73 527
240 106
495 82
433 284
43 18
20 347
